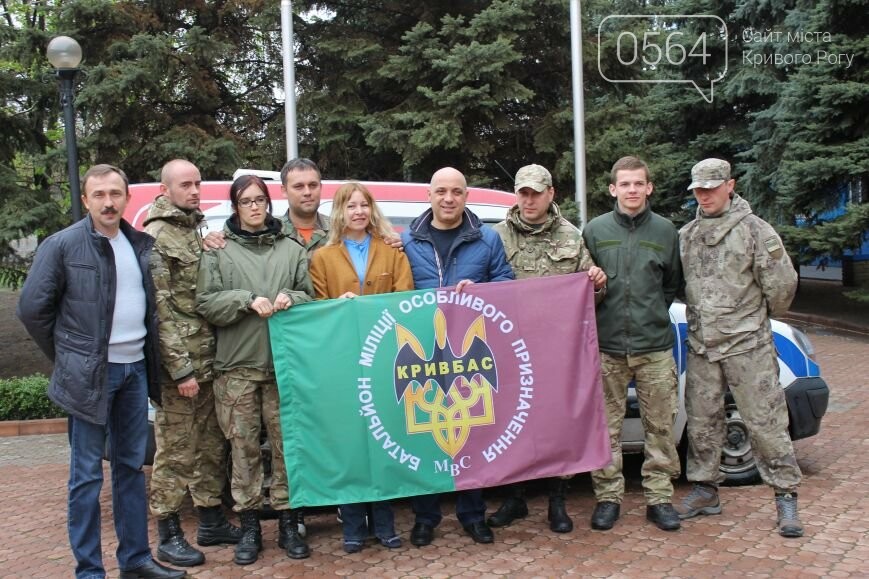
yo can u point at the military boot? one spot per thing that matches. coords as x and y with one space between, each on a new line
789 524
214 529
289 537
251 542
559 521
173 547
513 507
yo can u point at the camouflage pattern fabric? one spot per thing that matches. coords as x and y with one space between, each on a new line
657 391
245 399
753 380
190 452
554 248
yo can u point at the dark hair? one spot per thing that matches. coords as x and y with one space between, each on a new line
629 164
101 171
239 185
298 164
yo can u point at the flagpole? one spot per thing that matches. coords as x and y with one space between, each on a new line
289 78
578 110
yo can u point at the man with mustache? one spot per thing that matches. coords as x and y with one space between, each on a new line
88 303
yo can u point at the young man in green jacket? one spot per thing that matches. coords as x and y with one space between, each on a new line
639 251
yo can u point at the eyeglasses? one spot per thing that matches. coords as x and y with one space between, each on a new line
260 201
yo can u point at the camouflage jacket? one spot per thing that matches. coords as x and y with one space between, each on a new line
186 339
737 273
554 248
318 239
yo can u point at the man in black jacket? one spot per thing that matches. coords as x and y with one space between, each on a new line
88 303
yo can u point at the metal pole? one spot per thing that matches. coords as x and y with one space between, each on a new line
578 110
67 99
289 79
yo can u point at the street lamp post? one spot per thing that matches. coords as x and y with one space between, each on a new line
64 54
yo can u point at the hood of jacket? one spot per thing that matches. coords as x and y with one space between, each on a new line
268 236
164 210
713 229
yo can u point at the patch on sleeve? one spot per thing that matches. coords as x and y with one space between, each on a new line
773 246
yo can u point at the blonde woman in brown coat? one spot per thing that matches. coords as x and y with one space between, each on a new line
356 261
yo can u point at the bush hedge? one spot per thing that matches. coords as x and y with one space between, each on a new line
27 399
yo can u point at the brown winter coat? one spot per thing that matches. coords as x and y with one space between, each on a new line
333 274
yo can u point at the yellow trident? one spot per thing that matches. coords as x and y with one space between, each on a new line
450 419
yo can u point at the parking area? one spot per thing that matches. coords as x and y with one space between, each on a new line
740 542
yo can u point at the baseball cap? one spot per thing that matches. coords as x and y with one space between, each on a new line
709 173
534 176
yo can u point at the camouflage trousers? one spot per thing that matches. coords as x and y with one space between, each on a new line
190 452
754 382
657 390
245 399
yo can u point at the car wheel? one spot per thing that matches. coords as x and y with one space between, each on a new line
737 458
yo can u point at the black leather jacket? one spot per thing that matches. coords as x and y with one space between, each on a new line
67 305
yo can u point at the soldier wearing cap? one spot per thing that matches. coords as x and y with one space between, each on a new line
737 274
540 242
639 251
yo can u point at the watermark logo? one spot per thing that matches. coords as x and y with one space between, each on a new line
656 49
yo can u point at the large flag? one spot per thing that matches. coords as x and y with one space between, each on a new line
430 391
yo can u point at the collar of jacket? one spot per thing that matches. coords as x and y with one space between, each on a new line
268 236
714 229
322 223
469 230
631 221
133 236
553 216
164 209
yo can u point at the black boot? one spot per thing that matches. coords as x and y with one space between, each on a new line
513 507
214 529
251 542
173 547
289 537
559 522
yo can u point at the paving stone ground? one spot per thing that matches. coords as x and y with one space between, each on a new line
740 542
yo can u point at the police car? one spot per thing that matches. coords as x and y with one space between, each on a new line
805 391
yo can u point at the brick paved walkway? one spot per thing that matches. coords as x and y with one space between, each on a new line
740 542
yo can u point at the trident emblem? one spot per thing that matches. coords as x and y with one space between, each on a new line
446 395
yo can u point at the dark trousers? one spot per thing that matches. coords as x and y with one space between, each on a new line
470 508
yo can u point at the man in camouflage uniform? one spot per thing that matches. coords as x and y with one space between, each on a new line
639 251
737 274
190 444
540 242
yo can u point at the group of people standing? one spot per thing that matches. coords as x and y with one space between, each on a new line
181 319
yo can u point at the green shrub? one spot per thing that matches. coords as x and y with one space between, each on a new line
26 399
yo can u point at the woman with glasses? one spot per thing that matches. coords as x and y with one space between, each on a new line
259 272
356 261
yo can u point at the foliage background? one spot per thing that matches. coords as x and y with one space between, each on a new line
392 90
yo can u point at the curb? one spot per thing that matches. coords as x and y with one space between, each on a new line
826 322
31 427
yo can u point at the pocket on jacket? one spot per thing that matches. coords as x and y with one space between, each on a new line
739 324
382 283
564 259
82 282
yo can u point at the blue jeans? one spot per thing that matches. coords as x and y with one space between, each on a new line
354 521
470 508
127 429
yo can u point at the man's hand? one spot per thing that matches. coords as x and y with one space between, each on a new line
263 307
394 242
283 302
597 277
189 388
214 240
347 295
460 287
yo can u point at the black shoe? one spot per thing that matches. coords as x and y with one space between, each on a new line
513 508
664 516
559 521
153 570
605 515
421 535
173 547
289 537
251 543
214 529
480 532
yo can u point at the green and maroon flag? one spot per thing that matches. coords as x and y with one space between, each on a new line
429 391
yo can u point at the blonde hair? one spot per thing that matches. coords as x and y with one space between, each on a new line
378 225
